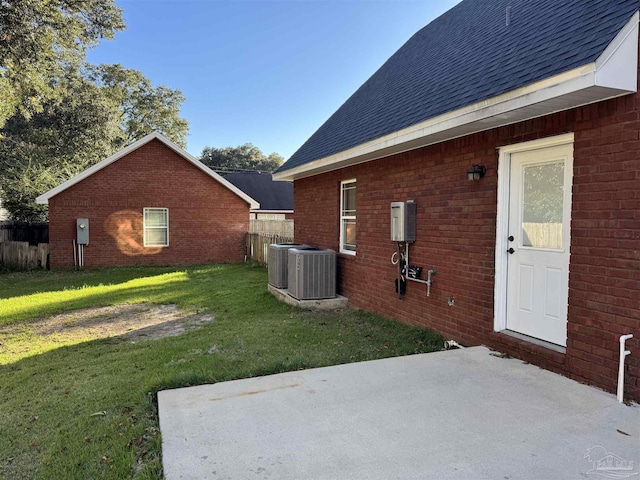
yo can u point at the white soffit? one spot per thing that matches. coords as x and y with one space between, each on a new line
44 198
613 74
259 210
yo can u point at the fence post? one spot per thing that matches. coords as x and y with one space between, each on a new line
22 256
43 255
258 245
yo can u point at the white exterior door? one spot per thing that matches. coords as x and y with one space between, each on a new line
539 215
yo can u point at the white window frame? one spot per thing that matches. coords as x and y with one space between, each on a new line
146 228
346 217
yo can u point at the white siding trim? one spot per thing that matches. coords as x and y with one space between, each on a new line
347 217
270 211
44 198
612 75
612 67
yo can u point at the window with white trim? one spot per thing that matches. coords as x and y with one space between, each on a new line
156 227
348 216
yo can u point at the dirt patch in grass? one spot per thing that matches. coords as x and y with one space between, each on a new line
134 323
47 400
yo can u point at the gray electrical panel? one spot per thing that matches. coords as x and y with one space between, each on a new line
82 231
403 221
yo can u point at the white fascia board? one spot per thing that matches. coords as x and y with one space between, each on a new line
44 198
614 74
258 210
613 66
547 142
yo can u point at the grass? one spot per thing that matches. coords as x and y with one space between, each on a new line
86 408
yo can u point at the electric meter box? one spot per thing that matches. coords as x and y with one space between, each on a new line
403 221
82 231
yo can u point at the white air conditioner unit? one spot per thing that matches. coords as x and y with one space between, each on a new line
277 263
312 273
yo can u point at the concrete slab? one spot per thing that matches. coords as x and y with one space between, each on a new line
461 414
336 303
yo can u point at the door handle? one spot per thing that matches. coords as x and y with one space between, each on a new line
510 238
510 251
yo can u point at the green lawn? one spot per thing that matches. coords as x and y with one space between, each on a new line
85 407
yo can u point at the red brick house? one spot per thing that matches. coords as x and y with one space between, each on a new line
538 257
149 204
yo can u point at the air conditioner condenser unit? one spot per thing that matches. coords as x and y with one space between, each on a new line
312 273
277 263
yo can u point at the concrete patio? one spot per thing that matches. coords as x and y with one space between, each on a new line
463 414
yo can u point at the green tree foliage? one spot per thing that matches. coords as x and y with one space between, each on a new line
60 141
59 115
244 158
142 108
92 119
22 184
39 40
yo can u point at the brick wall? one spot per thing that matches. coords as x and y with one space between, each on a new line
207 222
456 236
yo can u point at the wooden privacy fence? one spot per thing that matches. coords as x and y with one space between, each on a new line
272 227
545 235
22 256
34 233
258 245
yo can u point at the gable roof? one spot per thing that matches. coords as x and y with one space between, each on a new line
44 198
271 195
477 52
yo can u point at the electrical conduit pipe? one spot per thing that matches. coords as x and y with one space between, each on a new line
623 354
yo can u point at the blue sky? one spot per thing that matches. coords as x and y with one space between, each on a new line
267 72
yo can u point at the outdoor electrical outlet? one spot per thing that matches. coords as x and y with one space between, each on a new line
451 301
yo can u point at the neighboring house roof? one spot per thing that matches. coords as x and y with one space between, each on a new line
273 196
470 69
44 198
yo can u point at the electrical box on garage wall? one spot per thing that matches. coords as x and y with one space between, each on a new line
403 221
82 231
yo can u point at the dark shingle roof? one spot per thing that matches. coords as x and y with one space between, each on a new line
465 56
261 187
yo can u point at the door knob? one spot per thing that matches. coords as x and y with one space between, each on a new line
510 251
510 238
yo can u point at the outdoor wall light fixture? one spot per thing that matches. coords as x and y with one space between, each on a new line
476 172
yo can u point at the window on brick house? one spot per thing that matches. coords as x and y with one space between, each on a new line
156 227
348 216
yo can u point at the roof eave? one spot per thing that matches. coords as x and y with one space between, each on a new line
259 210
44 198
613 74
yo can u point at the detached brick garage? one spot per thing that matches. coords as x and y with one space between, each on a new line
540 257
150 204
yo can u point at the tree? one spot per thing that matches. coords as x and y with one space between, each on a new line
21 185
246 157
60 141
59 115
142 107
85 125
78 129
39 40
